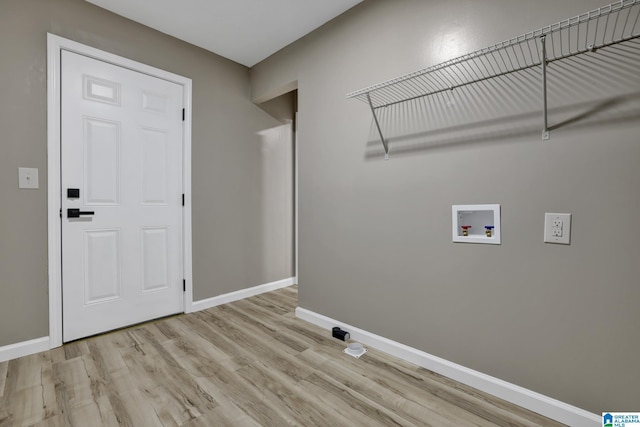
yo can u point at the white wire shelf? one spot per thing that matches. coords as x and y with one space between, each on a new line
586 33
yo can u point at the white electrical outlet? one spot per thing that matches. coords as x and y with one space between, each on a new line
557 228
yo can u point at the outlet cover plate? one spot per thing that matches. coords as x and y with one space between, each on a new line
557 228
28 178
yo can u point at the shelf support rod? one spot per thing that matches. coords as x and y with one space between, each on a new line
545 131
375 119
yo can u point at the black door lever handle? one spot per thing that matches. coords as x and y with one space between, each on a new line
75 213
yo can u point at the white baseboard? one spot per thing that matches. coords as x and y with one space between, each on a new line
241 294
25 348
536 402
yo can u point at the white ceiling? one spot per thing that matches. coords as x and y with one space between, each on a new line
245 31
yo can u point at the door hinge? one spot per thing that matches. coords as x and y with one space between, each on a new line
184 285
182 199
60 213
183 114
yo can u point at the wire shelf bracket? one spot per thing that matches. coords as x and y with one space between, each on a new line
616 23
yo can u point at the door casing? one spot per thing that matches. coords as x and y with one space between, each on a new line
54 45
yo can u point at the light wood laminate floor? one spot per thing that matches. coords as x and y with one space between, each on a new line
247 363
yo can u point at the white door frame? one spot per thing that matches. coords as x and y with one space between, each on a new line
296 208
54 45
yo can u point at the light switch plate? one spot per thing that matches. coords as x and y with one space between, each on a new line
28 178
557 228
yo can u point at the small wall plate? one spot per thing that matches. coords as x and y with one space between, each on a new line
557 228
28 178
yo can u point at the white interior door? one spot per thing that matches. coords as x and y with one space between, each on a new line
121 149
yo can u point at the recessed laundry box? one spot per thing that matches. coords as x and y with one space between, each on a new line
476 224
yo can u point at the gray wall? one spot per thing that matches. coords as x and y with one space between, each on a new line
375 236
233 179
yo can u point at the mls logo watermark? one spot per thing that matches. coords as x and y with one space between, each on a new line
620 419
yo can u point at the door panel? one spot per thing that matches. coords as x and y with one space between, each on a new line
155 255
101 266
102 161
122 147
154 166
